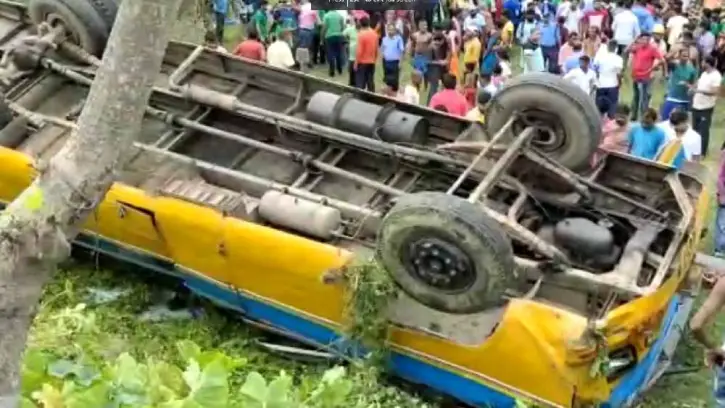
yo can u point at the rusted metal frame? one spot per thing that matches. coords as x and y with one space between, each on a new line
334 162
501 165
348 209
484 151
291 154
561 171
298 99
688 215
539 157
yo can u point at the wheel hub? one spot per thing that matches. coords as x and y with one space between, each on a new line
440 264
549 136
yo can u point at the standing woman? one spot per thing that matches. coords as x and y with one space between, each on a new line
489 60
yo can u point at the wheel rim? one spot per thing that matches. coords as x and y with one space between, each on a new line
56 20
438 263
550 134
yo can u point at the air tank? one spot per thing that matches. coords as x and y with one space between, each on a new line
346 113
297 214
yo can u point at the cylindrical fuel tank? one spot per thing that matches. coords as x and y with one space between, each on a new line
300 215
385 122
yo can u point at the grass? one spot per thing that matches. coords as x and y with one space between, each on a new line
119 328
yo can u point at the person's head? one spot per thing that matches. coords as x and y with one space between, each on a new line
503 54
612 46
449 81
391 30
679 121
441 108
423 26
473 12
497 70
561 20
683 56
483 98
708 63
573 38
649 118
658 31
644 38
210 39
593 32
584 62
577 46
416 78
484 79
687 37
499 25
253 35
530 16
365 22
621 114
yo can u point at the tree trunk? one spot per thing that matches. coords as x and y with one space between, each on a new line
36 228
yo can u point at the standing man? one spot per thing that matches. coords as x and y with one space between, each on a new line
220 18
333 24
583 76
366 56
550 42
392 50
421 50
626 29
610 67
705 93
682 76
646 57
350 35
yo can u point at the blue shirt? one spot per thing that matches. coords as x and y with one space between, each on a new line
512 8
645 143
646 21
221 6
392 48
549 35
680 73
573 61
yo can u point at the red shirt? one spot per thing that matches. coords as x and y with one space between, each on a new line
452 100
643 60
596 18
250 49
367 47
470 95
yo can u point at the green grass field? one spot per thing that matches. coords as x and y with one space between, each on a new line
102 331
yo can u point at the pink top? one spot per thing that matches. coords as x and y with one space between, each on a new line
564 54
614 139
359 14
308 18
453 101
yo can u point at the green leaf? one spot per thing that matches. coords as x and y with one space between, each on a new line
61 368
333 390
188 350
255 388
49 397
166 382
129 374
211 390
92 397
26 403
278 393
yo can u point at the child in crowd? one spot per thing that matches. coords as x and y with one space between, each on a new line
411 92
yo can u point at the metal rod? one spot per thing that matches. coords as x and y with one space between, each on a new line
262 183
333 162
306 173
501 165
484 151
295 155
175 77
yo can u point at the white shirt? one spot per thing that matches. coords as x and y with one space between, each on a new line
675 26
505 69
708 82
279 54
572 20
625 27
409 95
584 80
691 140
491 89
609 65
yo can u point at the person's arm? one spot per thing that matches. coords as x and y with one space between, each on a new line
704 317
713 89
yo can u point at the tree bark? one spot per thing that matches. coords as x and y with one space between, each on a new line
36 228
